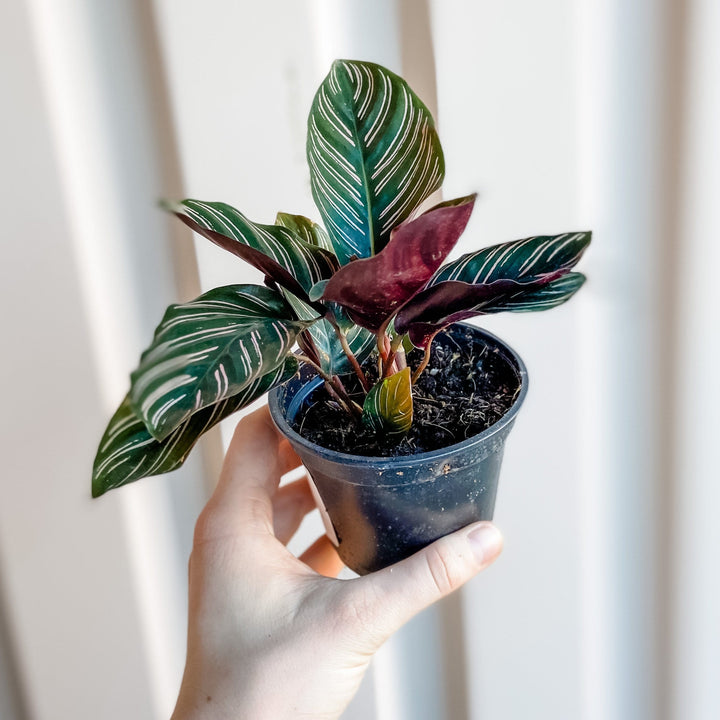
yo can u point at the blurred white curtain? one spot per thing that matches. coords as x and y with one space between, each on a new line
694 663
94 591
566 114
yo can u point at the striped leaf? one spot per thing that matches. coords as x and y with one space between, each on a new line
326 348
361 342
533 259
451 301
546 297
373 153
447 302
209 349
509 276
305 229
129 452
287 259
388 406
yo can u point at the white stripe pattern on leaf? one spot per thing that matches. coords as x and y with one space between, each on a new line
373 153
209 349
128 452
527 260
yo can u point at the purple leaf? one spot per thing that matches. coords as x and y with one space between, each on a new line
440 305
275 272
447 302
519 276
277 251
372 289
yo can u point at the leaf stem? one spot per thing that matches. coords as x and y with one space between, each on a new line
309 361
334 386
330 317
383 365
353 407
396 343
401 358
307 345
425 360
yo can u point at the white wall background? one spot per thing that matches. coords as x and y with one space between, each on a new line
563 115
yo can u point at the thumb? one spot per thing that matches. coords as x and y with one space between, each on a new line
394 595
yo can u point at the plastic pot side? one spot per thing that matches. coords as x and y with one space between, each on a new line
379 510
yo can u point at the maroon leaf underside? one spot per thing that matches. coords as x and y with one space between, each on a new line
372 289
451 301
274 272
307 346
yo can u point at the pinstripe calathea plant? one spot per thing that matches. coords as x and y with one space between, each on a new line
368 282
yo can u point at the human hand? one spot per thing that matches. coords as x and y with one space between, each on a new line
278 637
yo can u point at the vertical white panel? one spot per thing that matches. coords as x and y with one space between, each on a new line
505 88
67 581
96 589
511 79
554 112
626 149
356 30
696 590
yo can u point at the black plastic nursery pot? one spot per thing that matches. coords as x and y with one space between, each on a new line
379 510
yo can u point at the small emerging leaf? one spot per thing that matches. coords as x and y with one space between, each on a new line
372 289
317 290
129 452
307 230
388 407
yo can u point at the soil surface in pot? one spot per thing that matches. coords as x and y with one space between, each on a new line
465 389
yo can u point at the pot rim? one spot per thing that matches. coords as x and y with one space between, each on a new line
409 460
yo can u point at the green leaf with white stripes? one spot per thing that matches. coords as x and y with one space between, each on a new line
129 452
533 259
274 249
546 297
512 276
388 407
374 155
305 229
330 354
210 349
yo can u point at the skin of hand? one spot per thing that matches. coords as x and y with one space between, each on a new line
279 637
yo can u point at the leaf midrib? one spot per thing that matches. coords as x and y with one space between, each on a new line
360 146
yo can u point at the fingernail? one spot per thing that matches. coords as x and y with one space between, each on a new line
486 542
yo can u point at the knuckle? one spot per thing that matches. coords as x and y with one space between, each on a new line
443 568
206 526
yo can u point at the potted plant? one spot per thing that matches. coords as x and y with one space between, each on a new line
398 410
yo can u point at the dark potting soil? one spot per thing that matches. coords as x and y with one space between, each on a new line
464 390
